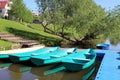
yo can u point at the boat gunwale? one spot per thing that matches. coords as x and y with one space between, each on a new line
14 51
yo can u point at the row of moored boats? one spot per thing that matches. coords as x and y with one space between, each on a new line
71 59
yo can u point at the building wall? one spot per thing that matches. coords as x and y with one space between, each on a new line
4 11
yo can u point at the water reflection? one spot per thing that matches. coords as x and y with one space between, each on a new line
80 75
15 76
17 71
20 72
4 72
23 72
112 46
19 68
5 64
40 71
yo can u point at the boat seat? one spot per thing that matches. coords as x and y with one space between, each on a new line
55 56
35 54
88 55
81 60
69 52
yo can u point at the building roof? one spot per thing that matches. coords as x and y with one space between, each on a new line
3 0
3 3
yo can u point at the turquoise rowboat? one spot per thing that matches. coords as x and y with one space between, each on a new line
27 55
52 57
5 54
79 60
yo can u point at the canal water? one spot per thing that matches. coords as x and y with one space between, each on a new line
113 47
27 71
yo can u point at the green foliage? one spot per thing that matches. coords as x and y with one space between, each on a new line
113 24
83 16
20 12
27 16
87 18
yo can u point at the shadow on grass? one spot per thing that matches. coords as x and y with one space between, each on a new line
48 41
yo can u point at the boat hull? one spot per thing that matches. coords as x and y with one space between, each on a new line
16 58
77 66
50 58
80 60
103 46
4 56
40 62
72 66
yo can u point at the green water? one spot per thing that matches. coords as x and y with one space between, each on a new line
24 71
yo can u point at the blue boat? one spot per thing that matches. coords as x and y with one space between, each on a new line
103 46
79 60
52 57
27 55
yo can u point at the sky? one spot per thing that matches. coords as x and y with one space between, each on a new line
30 4
106 4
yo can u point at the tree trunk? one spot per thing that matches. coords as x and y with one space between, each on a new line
44 28
74 40
62 31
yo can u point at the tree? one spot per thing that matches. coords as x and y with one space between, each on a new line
50 12
83 17
20 12
113 24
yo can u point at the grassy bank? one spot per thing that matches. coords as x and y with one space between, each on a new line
34 33
5 45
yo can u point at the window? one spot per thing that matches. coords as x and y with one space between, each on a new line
0 10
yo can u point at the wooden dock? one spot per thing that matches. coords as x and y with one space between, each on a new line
110 65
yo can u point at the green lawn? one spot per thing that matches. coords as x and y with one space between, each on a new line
37 27
35 33
5 45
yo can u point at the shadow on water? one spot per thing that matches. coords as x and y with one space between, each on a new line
34 36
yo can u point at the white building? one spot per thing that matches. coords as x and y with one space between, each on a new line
4 7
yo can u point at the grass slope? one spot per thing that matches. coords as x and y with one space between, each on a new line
5 45
35 33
